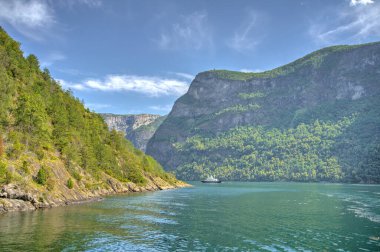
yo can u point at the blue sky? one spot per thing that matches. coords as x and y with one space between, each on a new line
124 56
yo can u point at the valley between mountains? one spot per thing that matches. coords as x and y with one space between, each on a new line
316 119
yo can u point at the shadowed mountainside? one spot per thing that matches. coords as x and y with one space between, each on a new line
315 119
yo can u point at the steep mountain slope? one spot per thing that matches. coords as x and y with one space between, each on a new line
54 151
137 128
315 119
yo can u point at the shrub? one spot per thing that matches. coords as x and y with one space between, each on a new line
70 183
40 153
42 176
136 177
5 175
76 175
25 167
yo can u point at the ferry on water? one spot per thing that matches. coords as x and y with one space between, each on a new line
211 179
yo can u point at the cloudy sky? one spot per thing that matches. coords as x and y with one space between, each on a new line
139 56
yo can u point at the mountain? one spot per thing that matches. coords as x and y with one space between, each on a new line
315 119
137 128
54 151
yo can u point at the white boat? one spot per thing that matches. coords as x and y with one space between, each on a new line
211 179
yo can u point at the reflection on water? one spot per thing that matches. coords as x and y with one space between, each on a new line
228 216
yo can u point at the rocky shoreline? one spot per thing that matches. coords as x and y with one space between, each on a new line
14 198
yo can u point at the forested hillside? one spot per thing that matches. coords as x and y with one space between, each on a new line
315 119
52 148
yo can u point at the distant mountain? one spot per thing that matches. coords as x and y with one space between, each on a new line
137 128
54 151
315 119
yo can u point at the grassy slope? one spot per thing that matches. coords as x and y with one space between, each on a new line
314 58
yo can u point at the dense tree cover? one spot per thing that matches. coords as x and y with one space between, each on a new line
40 119
319 147
303 153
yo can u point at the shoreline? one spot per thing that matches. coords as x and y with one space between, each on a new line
13 199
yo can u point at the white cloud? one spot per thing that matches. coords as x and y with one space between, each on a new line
27 16
246 36
70 85
191 32
362 2
353 23
35 18
165 108
151 86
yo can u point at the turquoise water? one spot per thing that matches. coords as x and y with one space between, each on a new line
231 216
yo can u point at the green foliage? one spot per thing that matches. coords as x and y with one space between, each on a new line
304 153
17 147
25 167
5 175
42 176
239 108
76 175
315 59
70 183
38 117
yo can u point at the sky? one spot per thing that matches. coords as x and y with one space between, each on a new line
131 57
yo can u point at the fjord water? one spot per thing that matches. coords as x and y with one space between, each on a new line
232 216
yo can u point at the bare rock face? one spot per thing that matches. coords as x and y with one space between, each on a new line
128 123
137 128
327 85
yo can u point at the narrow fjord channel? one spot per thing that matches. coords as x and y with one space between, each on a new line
232 216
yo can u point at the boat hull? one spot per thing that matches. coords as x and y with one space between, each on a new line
211 182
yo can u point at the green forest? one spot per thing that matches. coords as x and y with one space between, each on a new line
320 147
300 154
42 124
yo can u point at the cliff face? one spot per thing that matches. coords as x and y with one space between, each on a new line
128 123
317 118
137 128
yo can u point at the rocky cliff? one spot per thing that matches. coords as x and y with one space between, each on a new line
137 128
315 119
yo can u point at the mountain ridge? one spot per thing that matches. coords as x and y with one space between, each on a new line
336 88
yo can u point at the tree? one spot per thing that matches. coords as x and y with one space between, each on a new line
42 176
